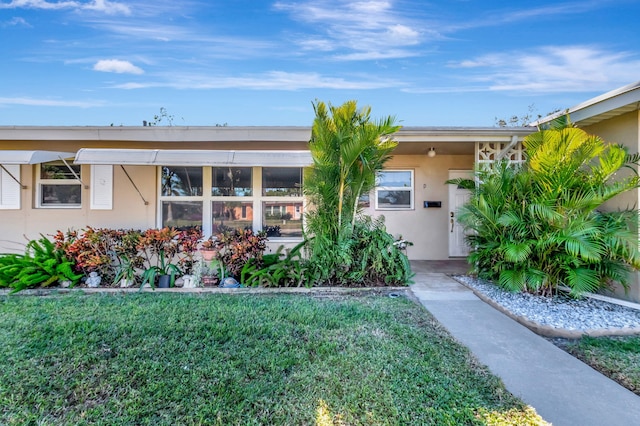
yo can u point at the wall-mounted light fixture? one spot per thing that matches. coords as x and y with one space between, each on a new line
431 153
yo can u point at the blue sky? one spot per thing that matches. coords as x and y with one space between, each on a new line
252 62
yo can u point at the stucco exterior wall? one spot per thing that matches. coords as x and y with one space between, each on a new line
625 130
129 211
426 228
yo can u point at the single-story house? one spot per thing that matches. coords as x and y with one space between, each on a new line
143 177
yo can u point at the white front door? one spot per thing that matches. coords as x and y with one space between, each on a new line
457 197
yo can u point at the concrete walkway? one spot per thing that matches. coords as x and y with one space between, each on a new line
562 389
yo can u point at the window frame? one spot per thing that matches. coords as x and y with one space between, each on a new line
181 198
410 189
207 199
73 181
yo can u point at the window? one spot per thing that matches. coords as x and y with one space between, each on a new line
58 185
223 198
282 181
394 190
282 218
181 181
232 215
181 214
181 196
231 181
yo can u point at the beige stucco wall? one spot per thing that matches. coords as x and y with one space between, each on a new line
427 228
625 130
129 211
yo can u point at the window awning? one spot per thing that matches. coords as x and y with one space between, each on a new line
31 157
166 157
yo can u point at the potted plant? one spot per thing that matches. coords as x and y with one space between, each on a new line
208 249
164 272
159 247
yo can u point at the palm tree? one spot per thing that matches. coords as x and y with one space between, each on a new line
544 225
348 149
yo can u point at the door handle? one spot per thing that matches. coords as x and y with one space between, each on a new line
452 226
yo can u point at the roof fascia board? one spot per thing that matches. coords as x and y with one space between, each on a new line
241 134
610 101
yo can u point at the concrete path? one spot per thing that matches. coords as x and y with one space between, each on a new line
562 389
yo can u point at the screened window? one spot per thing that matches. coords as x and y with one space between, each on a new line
282 181
394 190
58 186
231 182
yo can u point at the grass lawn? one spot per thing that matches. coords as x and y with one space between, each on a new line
165 359
616 357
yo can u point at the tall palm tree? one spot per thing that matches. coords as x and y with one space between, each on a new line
348 149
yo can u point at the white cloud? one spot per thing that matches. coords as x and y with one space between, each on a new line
49 102
274 80
554 69
117 66
360 30
14 22
105 6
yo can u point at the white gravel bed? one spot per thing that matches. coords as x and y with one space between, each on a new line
560 311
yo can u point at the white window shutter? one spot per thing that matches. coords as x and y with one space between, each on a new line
101 187
9 188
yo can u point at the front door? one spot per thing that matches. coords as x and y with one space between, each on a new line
457 197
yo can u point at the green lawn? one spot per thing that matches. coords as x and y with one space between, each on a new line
616 357
228 359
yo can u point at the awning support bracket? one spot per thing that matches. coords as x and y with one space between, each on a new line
73 172
13 177
146 203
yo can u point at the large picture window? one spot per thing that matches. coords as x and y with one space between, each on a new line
219 199
58 185
394 190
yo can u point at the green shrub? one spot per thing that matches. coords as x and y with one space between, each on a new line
41 265
277 269
542 225
238 247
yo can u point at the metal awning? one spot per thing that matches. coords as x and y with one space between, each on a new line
31 157
168 157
